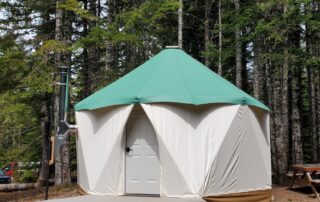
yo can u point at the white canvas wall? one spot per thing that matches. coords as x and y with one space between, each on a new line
100 149
189 137
204 150
243 162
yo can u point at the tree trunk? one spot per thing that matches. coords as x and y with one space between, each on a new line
220 38
318 107
271 103
46 114
296 40
65 163
207 41
93 66
85 72
238 48
109 47
59 64
313 107
315 51
284 127
282 116
279 151
280 121
258 74
66 175
297 150
45 131
99 8
312 113
180 24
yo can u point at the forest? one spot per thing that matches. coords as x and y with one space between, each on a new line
268 48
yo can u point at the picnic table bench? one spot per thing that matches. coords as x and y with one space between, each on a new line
308 170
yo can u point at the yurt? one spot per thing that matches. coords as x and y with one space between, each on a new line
174 128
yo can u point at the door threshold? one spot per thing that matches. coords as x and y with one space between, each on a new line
144 195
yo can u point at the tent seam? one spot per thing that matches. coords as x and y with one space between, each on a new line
255 138
205 181
185 80
157 133
148 80
84 166
246 97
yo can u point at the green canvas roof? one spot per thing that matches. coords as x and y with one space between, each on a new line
170 76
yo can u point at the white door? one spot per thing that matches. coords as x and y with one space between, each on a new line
142 157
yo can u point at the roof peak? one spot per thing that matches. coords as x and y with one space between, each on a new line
173 47
170 76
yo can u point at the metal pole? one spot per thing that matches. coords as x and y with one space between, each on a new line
62 130
62 125
62 95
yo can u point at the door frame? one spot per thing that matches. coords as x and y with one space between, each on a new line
124 145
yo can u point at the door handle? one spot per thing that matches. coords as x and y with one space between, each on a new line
128 149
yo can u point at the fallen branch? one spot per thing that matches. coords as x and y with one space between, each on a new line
17 187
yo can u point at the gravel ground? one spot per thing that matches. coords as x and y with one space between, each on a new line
280 194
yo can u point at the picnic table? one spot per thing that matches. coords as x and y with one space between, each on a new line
308 170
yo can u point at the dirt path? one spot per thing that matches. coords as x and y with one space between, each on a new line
281 194
38 194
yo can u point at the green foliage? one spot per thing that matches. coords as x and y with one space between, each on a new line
21 83
12 63
96 35
25 176
76 7
142 23
50 47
